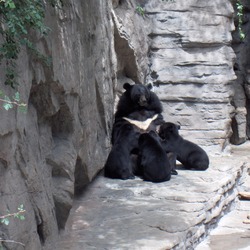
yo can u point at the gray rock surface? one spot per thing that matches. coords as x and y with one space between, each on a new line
131 42
192 62
232 233
133 214
62 141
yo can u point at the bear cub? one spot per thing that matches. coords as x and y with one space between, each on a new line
118 164
188 153
153 162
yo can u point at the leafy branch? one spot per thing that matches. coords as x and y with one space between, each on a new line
17 19
239 7
140 10
19 215
5 219
9 104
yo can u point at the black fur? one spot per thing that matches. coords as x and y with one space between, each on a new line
139 103
152 160
118 164
188 153
137 97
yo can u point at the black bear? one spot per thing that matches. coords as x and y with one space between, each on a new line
188 153
152 160
118 164
137 97
139 106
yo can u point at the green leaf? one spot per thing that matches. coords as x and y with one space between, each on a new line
22 217
20 208
10 4
5 221
16 97
7 105
242 36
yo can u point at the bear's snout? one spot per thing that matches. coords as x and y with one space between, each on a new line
143 101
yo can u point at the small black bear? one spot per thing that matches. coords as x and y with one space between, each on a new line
188 153
118 164
152 160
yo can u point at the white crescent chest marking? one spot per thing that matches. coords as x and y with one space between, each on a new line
141 124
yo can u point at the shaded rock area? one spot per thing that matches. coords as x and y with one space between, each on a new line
133 214
131 43
240 120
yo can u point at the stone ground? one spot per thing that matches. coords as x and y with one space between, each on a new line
232 233
178 214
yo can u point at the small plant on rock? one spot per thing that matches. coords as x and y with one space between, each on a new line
140 10
5 219
17 19
9 103
239 7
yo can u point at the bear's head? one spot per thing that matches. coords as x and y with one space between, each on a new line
143 138
139 93
127 132
128 137
169 130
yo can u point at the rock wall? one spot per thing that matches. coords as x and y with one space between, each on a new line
59 145
192 63
131 44
63 140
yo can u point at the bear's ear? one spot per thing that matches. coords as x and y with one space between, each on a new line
178 126
127 86
150 86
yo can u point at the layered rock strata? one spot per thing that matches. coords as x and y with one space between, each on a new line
191 60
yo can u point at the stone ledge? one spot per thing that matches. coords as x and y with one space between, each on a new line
133 214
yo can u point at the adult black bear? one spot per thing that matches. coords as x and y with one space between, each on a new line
188 153
139 106
118 164
137 97
152 160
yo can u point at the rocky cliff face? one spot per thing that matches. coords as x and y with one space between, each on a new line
62 142
192 63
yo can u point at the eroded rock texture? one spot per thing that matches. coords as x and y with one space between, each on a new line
131 44
62 141
192 62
